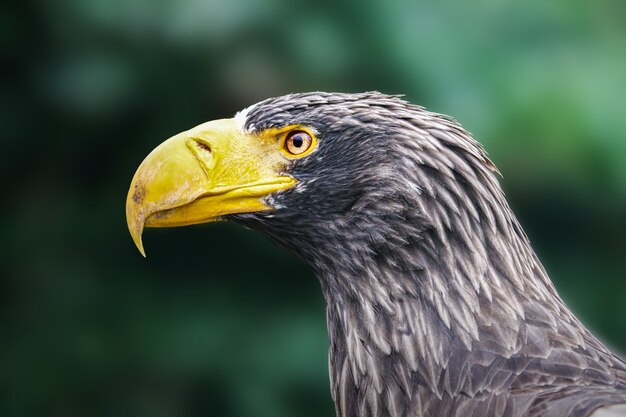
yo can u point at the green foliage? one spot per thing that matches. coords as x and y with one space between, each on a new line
92 329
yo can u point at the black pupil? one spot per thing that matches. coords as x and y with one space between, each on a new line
297 140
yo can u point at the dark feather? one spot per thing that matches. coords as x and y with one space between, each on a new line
437 304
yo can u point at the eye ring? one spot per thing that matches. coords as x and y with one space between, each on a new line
297 143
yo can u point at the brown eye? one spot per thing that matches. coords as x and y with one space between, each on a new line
298 142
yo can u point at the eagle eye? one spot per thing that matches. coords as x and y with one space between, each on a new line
297 142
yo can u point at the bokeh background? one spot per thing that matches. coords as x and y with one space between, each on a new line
217 321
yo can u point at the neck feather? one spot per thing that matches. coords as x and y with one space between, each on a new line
427 282
436 302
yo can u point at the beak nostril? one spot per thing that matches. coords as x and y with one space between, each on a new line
203 146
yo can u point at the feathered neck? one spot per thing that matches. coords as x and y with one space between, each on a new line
436 302
428 281
438 231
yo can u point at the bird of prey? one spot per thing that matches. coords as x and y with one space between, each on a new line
437 305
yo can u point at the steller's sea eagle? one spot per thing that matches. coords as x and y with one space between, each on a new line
437 304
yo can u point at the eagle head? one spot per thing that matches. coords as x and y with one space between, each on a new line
314 170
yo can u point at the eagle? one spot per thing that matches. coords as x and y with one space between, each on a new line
436 303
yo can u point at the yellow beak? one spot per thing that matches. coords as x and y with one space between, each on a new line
196 176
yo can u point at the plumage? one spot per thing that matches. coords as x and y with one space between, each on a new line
437 304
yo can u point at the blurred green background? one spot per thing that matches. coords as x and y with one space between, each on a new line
217 321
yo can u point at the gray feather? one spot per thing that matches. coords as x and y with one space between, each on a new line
613 411
436 302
